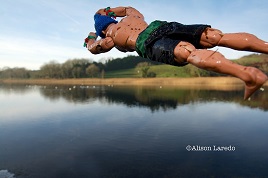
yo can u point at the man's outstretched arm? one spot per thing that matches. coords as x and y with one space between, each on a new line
99 46
122 12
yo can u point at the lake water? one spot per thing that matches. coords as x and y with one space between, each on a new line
131 132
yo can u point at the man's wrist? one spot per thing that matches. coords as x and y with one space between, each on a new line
88 38
91 37
109 12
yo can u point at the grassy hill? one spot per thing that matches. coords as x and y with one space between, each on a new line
159 70
256 60
126 73
253 58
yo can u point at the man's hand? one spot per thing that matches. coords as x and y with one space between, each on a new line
100 46
107 44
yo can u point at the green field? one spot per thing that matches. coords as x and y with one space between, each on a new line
127 73
256 60
159 70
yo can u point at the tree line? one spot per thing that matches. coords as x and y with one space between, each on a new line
74 68
86 68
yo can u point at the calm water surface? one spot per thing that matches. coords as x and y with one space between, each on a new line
121 132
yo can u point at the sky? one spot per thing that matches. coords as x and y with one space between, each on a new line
33 33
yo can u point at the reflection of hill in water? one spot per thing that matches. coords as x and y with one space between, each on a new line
155 98
171 98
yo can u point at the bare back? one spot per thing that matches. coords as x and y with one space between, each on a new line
126 32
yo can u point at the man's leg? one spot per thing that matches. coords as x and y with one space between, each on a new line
214 61
238 41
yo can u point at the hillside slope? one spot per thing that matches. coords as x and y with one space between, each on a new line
259 61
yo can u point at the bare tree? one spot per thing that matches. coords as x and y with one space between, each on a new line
93 70
51 70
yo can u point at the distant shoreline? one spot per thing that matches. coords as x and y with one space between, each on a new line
219 83
205 81
130 81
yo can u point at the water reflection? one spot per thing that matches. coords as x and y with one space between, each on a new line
155 98
109 131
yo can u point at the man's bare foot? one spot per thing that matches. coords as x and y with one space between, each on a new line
258 78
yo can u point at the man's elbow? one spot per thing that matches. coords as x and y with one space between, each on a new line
132 11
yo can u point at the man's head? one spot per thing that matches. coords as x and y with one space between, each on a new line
101 23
